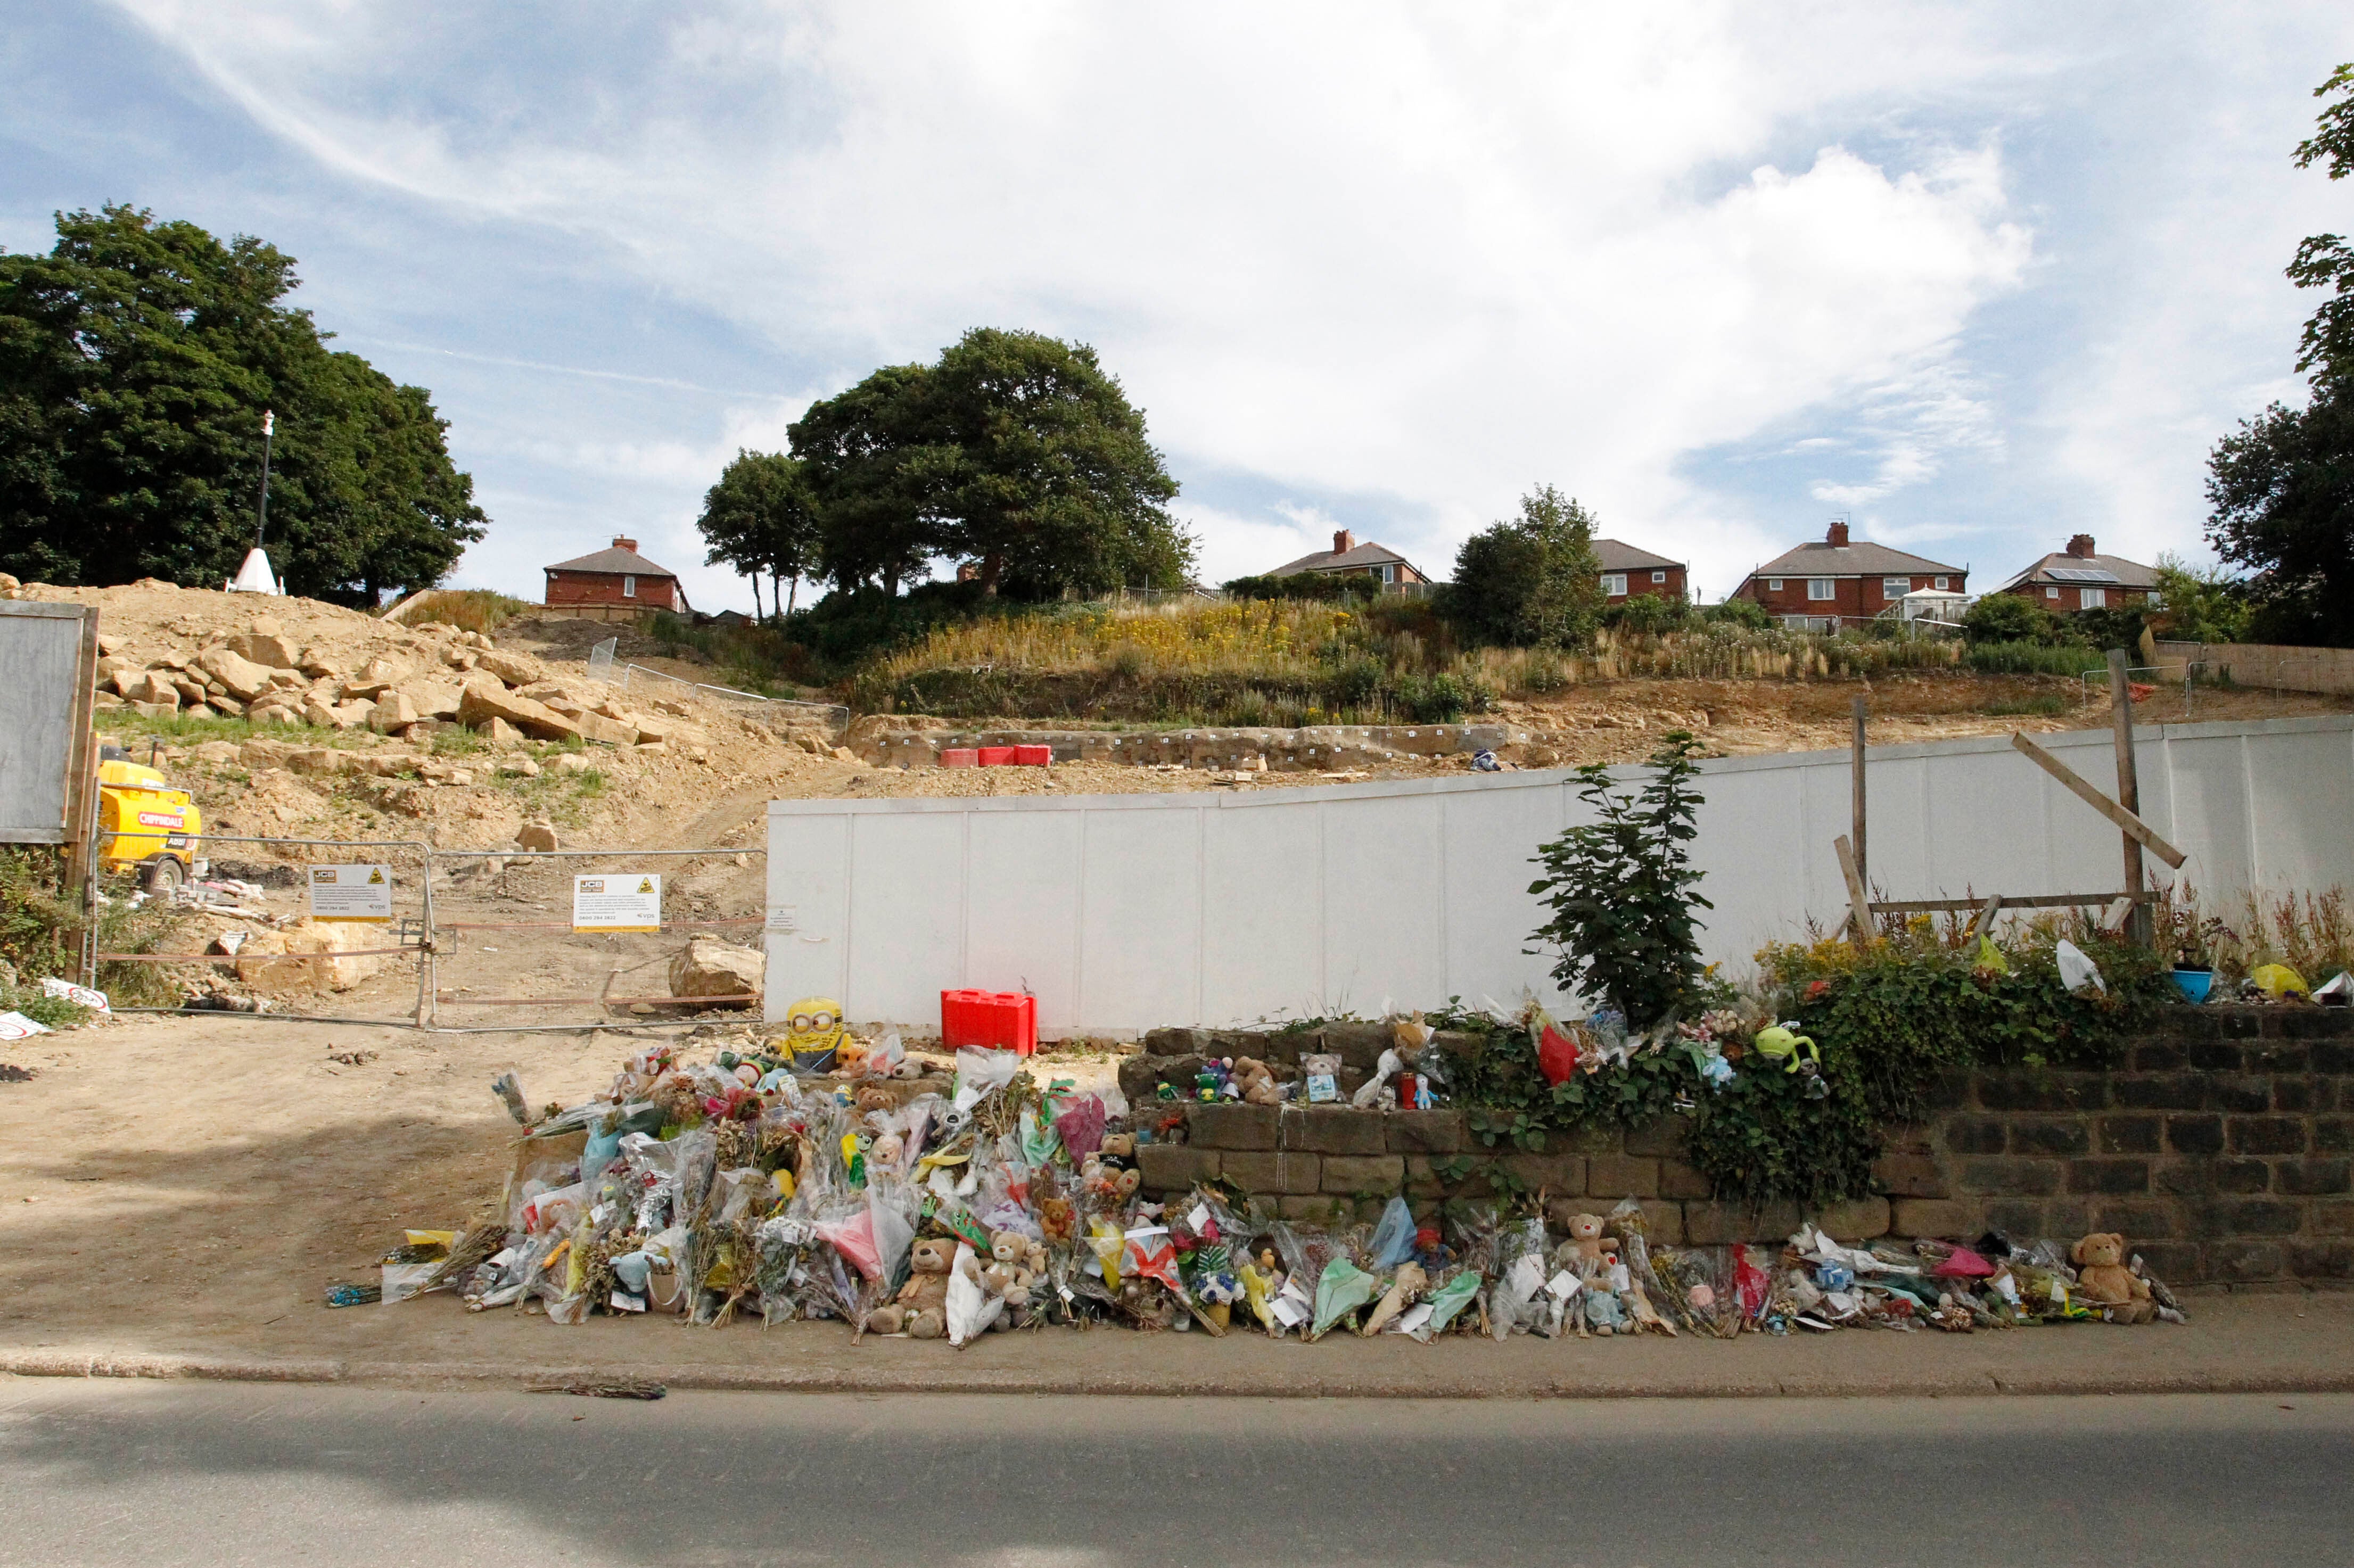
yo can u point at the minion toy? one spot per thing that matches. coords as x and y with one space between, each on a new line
813 1033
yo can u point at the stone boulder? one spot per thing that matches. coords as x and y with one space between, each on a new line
481 703
304 956
154 686
393 710
269 649
538 837
432 698
709 967
379 674
512 668
245 679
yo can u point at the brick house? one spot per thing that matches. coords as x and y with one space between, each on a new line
2080 578
1349 558
1836 580
1629 573
616 584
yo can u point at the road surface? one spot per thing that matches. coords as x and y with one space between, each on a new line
155 1473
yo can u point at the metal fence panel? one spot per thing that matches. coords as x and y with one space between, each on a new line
45 651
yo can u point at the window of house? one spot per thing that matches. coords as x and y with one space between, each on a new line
1659 577
628 587
1614 585
1941 585
1821 588
1895 587
1773 584
1388 574
2092 599
2051 592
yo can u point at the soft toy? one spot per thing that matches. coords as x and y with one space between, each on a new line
2102 1279
1405 1288
1583 1251
1256 1082
850 1057
1117 1146
874 1098
920 1309
814 1033
1057 1220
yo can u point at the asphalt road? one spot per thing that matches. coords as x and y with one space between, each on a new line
155 1473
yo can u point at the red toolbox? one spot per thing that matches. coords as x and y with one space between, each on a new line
960 757
998 756
997 1020
1033 755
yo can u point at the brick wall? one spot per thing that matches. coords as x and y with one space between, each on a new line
2221 1147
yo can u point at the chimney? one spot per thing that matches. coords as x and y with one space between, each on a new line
1344 541
1838 534
622 544
2081 546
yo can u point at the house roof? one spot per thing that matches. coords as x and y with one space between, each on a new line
617 561
1864 559
1364 555
1618 557
2113 571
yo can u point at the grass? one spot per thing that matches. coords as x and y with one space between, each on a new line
2032 659
130 726
468 609
2046 705
36 923
2312 933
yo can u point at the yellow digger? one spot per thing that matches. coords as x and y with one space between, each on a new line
145 826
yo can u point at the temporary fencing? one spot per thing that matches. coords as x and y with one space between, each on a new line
603 665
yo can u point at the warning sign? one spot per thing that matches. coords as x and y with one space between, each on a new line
351 892
628 901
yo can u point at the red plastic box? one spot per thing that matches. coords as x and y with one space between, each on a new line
1033 755
995 1020
960 757
998 756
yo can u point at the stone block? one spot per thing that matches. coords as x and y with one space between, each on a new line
1358 1044
1854 1219
2252 1217
2266 1135
2108 1177
2241 1022
2195 1134
1622 1176
1977 1135
2161 1091
2067 1218
1363 1172
595 727
1561 1175
2035 1091
2160 1056
1272 1174
2312 1178
1176 1042
2241 1096
2293 1094
2241 1262
244 679
1663 1139
1587 1140
2021 1217
2275 1057
2333 1135
2321 1260
2183 1178
1909 1176
2131 1135
1716 1225
2330 1219
2241 1175
1678 1180
1421 1180
1231 1126
1934 1217
1175 1167
2176 1263
481 705
1326 1129
2302 1025
2332 1057
2008 1178
2072 1136
2215 1055
1425 1132
2137 1222
1316 1209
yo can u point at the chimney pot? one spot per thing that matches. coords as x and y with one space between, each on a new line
2081 546
1344 541
1837 536
622 544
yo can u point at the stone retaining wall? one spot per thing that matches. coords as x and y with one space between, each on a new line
2222 1147
1317 749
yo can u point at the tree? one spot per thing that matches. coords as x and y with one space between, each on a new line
2281 490
136 359
2326 261
2201 604
1532 581
2006 618
863 457
760 518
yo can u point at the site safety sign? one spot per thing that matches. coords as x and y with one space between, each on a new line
628 901
351 892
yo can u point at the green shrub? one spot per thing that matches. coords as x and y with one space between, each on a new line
2006 618
2031 658
1648 614
1744 613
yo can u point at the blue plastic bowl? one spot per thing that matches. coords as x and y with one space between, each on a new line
2195 983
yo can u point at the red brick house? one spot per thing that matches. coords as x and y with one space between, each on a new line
1349 558
613 584
2079 578
1629 573
1835 580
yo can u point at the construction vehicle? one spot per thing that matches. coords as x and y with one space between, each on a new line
145 826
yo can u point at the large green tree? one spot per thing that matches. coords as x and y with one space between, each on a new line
2282 488
136 359
760 518
2326 261
1532 581
1015 452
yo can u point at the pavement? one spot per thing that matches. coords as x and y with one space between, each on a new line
157 1475
2236 1343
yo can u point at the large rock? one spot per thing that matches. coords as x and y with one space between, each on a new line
148 687
378 675
512 668
481 703
430 698
269 649
596 726
500 732
393 710
707 966
245 679
277 959
537 837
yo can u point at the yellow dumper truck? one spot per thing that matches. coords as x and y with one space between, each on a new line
145 826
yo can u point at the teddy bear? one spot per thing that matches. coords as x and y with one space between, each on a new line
2102 1279
1583 1250
1117 1146
1057 1220
874 1098
1254 1080
921 1310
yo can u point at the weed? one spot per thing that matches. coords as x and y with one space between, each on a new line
468 609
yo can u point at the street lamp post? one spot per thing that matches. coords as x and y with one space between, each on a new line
261 511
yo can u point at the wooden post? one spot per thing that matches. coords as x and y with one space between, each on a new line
1856 812
1985 921
1859 904
2128 784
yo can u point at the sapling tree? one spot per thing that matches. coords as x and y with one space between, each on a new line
1623 891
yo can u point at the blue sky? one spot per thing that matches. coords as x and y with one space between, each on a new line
1978 276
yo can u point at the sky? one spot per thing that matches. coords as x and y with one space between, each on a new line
1977 276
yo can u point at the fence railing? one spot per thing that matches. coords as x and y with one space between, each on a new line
604 663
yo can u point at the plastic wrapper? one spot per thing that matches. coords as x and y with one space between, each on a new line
1520 1276
1106 1240
849 1229
1079 1126
981 1072
1392 1241
1040 1143
1448 1299
1342 1288
2076 971
971 1307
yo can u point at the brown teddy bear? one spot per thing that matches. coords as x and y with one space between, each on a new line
921 1310
1055 1218
1256 1082
2102 1279
1117 1146
1583 1251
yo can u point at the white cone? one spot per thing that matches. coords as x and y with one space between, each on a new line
254 577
